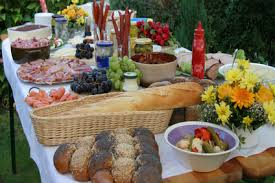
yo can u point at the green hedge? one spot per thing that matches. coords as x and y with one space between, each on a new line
229 24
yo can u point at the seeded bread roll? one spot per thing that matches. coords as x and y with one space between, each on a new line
124 131
99 161
145 139
143 131
62 157
149 160
104 135
124 139
125 151
145 148
123 169
102 176
85 142
147 174
79 164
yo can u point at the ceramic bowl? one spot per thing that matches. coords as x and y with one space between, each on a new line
155 67
200 162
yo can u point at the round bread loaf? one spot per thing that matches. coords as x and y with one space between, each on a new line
147 174
99 161
104 144
123 169
87 141
102 176
79 164
124 150
62 157
149 160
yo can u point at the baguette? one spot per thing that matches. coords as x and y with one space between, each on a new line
159 98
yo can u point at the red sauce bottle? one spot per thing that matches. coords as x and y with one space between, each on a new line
198 52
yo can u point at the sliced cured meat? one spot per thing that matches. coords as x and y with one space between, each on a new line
51 71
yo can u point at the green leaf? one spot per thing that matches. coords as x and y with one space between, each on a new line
32 6
3 17
1 7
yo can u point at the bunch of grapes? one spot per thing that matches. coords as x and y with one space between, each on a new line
95 82
118 67
84 50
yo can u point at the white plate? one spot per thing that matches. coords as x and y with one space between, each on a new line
265 72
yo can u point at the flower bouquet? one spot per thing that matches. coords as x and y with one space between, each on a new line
242 102
159 33
75 16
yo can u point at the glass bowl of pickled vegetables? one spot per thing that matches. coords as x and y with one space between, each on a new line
203 146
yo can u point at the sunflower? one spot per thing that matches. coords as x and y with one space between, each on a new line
264 95
249 80
242 97
243 64
209 95
247 121
224 91
233 75
223 112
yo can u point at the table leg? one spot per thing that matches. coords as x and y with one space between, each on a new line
12 136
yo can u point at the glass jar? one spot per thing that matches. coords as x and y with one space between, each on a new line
133 30
103 52
54 22
143 45
130 81
61 29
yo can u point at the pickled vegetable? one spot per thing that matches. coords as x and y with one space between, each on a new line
207 147
217 140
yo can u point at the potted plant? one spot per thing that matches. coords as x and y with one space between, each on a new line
159 33
76 18
243 103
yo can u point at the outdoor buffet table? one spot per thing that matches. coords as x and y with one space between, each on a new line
173 170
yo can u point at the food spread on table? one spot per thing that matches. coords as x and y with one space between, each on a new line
204 140
51 71
41 98
121 156
131 87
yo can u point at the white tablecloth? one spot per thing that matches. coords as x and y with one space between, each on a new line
43 155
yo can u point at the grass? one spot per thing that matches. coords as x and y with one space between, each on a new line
26 168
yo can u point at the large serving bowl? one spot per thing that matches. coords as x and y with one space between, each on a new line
200 162
155 66
265 72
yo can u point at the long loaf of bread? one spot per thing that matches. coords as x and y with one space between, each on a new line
159 98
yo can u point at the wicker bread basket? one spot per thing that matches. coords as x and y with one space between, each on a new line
54 129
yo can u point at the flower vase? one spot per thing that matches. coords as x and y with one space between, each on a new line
73 31
251 139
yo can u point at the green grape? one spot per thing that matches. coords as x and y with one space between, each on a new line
125 58
120 72
117 76
113 59
114 66
131 67
139 73
112 75
117 85
121 86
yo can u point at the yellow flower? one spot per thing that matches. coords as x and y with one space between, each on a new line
249 80
264 95
81 12
233 75
223 112
243 64
75 1
80 21
64 11
224 91
209 96
271 118
242 98
71 13
59 12
269 107
247 121
272 87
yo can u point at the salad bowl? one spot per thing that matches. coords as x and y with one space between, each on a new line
199 161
